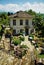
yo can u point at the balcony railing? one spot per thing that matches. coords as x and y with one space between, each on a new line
27 26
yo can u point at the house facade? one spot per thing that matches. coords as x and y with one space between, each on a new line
21 22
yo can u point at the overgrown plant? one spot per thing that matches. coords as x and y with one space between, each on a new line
16 41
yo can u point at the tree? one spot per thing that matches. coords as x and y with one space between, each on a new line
10 13
38 23
31 12
4 19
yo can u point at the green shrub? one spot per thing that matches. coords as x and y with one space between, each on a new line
42 45
20 52
0 37
16 41
42 39
41 56
37 45
21 33
23 46
13 38
24 52
0 28
22 38
31 35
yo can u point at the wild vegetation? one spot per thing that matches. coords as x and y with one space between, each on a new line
38 20
38 23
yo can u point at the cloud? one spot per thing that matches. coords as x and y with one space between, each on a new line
37 7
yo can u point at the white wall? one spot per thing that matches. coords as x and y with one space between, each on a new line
18 26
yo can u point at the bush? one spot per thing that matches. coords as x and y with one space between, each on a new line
42 39
0 37
21 33
7 33
1 31
0 28
22 38
23 46
31 35
20 51
42 51
24 52
16 41
42 45
41 56
37 45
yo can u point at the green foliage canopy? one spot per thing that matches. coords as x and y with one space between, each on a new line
4 19
38 23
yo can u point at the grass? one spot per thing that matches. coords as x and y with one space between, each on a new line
38 55
41 56
23 46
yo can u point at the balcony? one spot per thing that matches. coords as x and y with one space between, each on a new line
27 26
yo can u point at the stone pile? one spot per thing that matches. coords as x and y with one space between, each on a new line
5 43
8 59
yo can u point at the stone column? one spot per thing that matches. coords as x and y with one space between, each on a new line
34 31
24 32
29 30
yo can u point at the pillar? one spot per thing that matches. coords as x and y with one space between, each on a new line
29 30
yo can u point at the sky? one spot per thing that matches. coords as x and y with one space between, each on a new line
16 5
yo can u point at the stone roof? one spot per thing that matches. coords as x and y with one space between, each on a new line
21 14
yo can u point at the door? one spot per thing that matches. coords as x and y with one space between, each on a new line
26 31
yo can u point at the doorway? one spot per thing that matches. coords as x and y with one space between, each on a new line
26 31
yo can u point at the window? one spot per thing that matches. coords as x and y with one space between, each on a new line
21 30
14 22
32 31
21 22
26 22
33 23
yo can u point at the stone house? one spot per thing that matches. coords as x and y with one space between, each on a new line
21 22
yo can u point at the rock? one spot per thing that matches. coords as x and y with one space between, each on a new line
8 59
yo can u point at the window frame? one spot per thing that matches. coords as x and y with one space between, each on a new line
14 22
26 22
21 22
21 30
